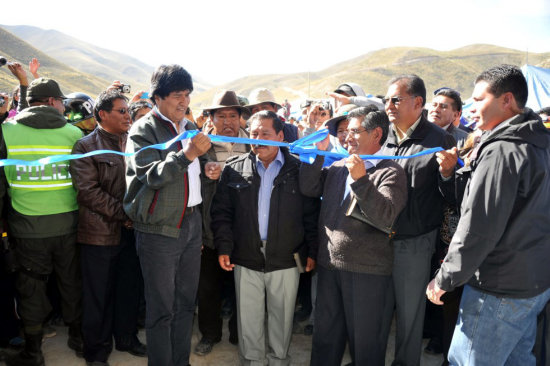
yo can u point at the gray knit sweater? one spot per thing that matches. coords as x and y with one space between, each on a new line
346 243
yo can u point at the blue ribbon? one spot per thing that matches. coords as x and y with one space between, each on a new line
305 147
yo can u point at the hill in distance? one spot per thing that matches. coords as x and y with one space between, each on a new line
456 69
83 56
70 80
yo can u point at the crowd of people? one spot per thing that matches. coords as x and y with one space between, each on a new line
404 214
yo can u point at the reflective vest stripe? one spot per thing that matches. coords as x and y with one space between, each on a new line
35 186
40 150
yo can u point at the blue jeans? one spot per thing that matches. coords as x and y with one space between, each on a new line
171 268
495 330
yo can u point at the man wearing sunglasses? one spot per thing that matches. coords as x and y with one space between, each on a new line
110 267
418 224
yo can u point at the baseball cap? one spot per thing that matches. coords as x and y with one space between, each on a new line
44 88
345 89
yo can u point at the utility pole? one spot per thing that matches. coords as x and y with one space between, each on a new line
308 85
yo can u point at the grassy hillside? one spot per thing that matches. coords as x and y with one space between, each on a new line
106 64
456 68
70 80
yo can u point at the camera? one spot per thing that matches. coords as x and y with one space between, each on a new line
125 88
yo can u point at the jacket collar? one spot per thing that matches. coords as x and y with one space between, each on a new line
419 133
111 137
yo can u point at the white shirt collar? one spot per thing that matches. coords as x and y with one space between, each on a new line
182 123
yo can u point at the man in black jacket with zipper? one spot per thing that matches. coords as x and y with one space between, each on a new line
502 243
417 226
260 221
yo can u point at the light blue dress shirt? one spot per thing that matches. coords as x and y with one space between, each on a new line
267 177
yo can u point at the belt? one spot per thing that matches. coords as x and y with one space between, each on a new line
190 210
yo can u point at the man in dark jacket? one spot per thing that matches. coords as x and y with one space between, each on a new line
355 258
42 216
110 267
502 243
260 222
163 200
417 226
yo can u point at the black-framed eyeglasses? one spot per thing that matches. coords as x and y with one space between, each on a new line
122 110
395 100
437 91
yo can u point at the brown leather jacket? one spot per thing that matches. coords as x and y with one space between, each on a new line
100 184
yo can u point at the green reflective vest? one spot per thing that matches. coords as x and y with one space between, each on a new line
42 189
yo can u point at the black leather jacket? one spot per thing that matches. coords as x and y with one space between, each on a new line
292 217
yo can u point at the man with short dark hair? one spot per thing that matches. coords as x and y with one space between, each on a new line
43 216
502 244
445 108
163 198
261 223
417 226
110 267
354 279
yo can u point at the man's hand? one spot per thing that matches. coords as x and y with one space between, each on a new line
128 224
115 85
4 108
447 161
340 99
356 167
213 170
34 65
323 145
434 293
225 263
197 146
310 264
18 71
137 97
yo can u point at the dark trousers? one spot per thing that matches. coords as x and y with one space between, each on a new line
211 282
411 274
9 324
349 307
39 258
170 268
111 279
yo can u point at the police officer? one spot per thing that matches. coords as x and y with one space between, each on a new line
42 216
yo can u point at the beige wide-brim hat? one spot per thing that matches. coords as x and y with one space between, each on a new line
259 96
225 99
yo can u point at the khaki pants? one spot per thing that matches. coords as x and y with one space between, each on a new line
254 290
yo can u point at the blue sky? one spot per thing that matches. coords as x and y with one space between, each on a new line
219 41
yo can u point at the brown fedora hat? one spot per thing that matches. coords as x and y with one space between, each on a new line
225 99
